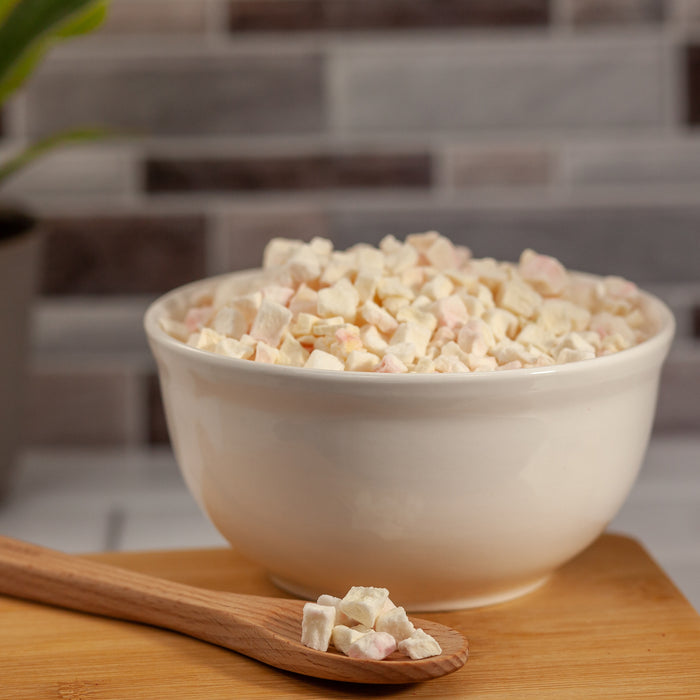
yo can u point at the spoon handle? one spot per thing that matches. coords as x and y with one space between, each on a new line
48 576
267 629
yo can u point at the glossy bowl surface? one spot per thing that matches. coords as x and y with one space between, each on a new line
449 490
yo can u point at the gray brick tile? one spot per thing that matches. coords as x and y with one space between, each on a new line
515 84
180 95
594 13
679 408
640 162
70 405
684 12
647 243
478 166
243 232
156 17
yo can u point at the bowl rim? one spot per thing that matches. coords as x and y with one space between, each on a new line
657 343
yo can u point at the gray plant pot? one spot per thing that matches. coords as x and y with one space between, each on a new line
19 256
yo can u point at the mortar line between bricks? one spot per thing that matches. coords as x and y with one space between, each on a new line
116 520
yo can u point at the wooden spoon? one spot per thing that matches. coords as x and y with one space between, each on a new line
264 628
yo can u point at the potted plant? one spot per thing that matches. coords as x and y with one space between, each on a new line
28 30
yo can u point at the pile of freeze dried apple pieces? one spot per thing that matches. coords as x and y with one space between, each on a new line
364 624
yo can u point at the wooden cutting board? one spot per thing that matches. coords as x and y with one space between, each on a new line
610 624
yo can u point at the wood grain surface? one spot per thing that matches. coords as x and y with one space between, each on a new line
609 624
266 628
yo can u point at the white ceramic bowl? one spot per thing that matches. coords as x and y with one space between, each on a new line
450 490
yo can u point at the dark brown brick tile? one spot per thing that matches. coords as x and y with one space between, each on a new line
304 15
157 425
322 171
181 95
678 393
134 254
692 84
70 406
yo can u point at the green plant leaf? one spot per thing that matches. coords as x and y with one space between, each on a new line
5 7
33 22
84 22
22 69
43 146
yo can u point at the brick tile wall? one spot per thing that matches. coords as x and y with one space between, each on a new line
504 85
692 84
242 232
320 171
160 17
305 15
176 95
132 254
596 13
565 125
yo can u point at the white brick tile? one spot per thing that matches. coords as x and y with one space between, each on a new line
105 327
74 528
79 170
168 528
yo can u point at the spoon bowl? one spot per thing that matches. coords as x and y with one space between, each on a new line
261 627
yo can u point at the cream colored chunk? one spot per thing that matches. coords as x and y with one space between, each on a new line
420 645
304 264
475 337
231 322
393 287
320 359
317 626
266 353
396 623
234 348
305 300
278 251
442 254
271 322
303 324
292 353
361 361
411 314
343 637
376 316
373 340
411 332
339 300
364 603
517 297
438 287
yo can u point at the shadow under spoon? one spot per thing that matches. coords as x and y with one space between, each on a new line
264 628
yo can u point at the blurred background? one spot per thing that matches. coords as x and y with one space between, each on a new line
569 126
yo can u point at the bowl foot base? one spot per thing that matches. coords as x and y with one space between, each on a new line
458 603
